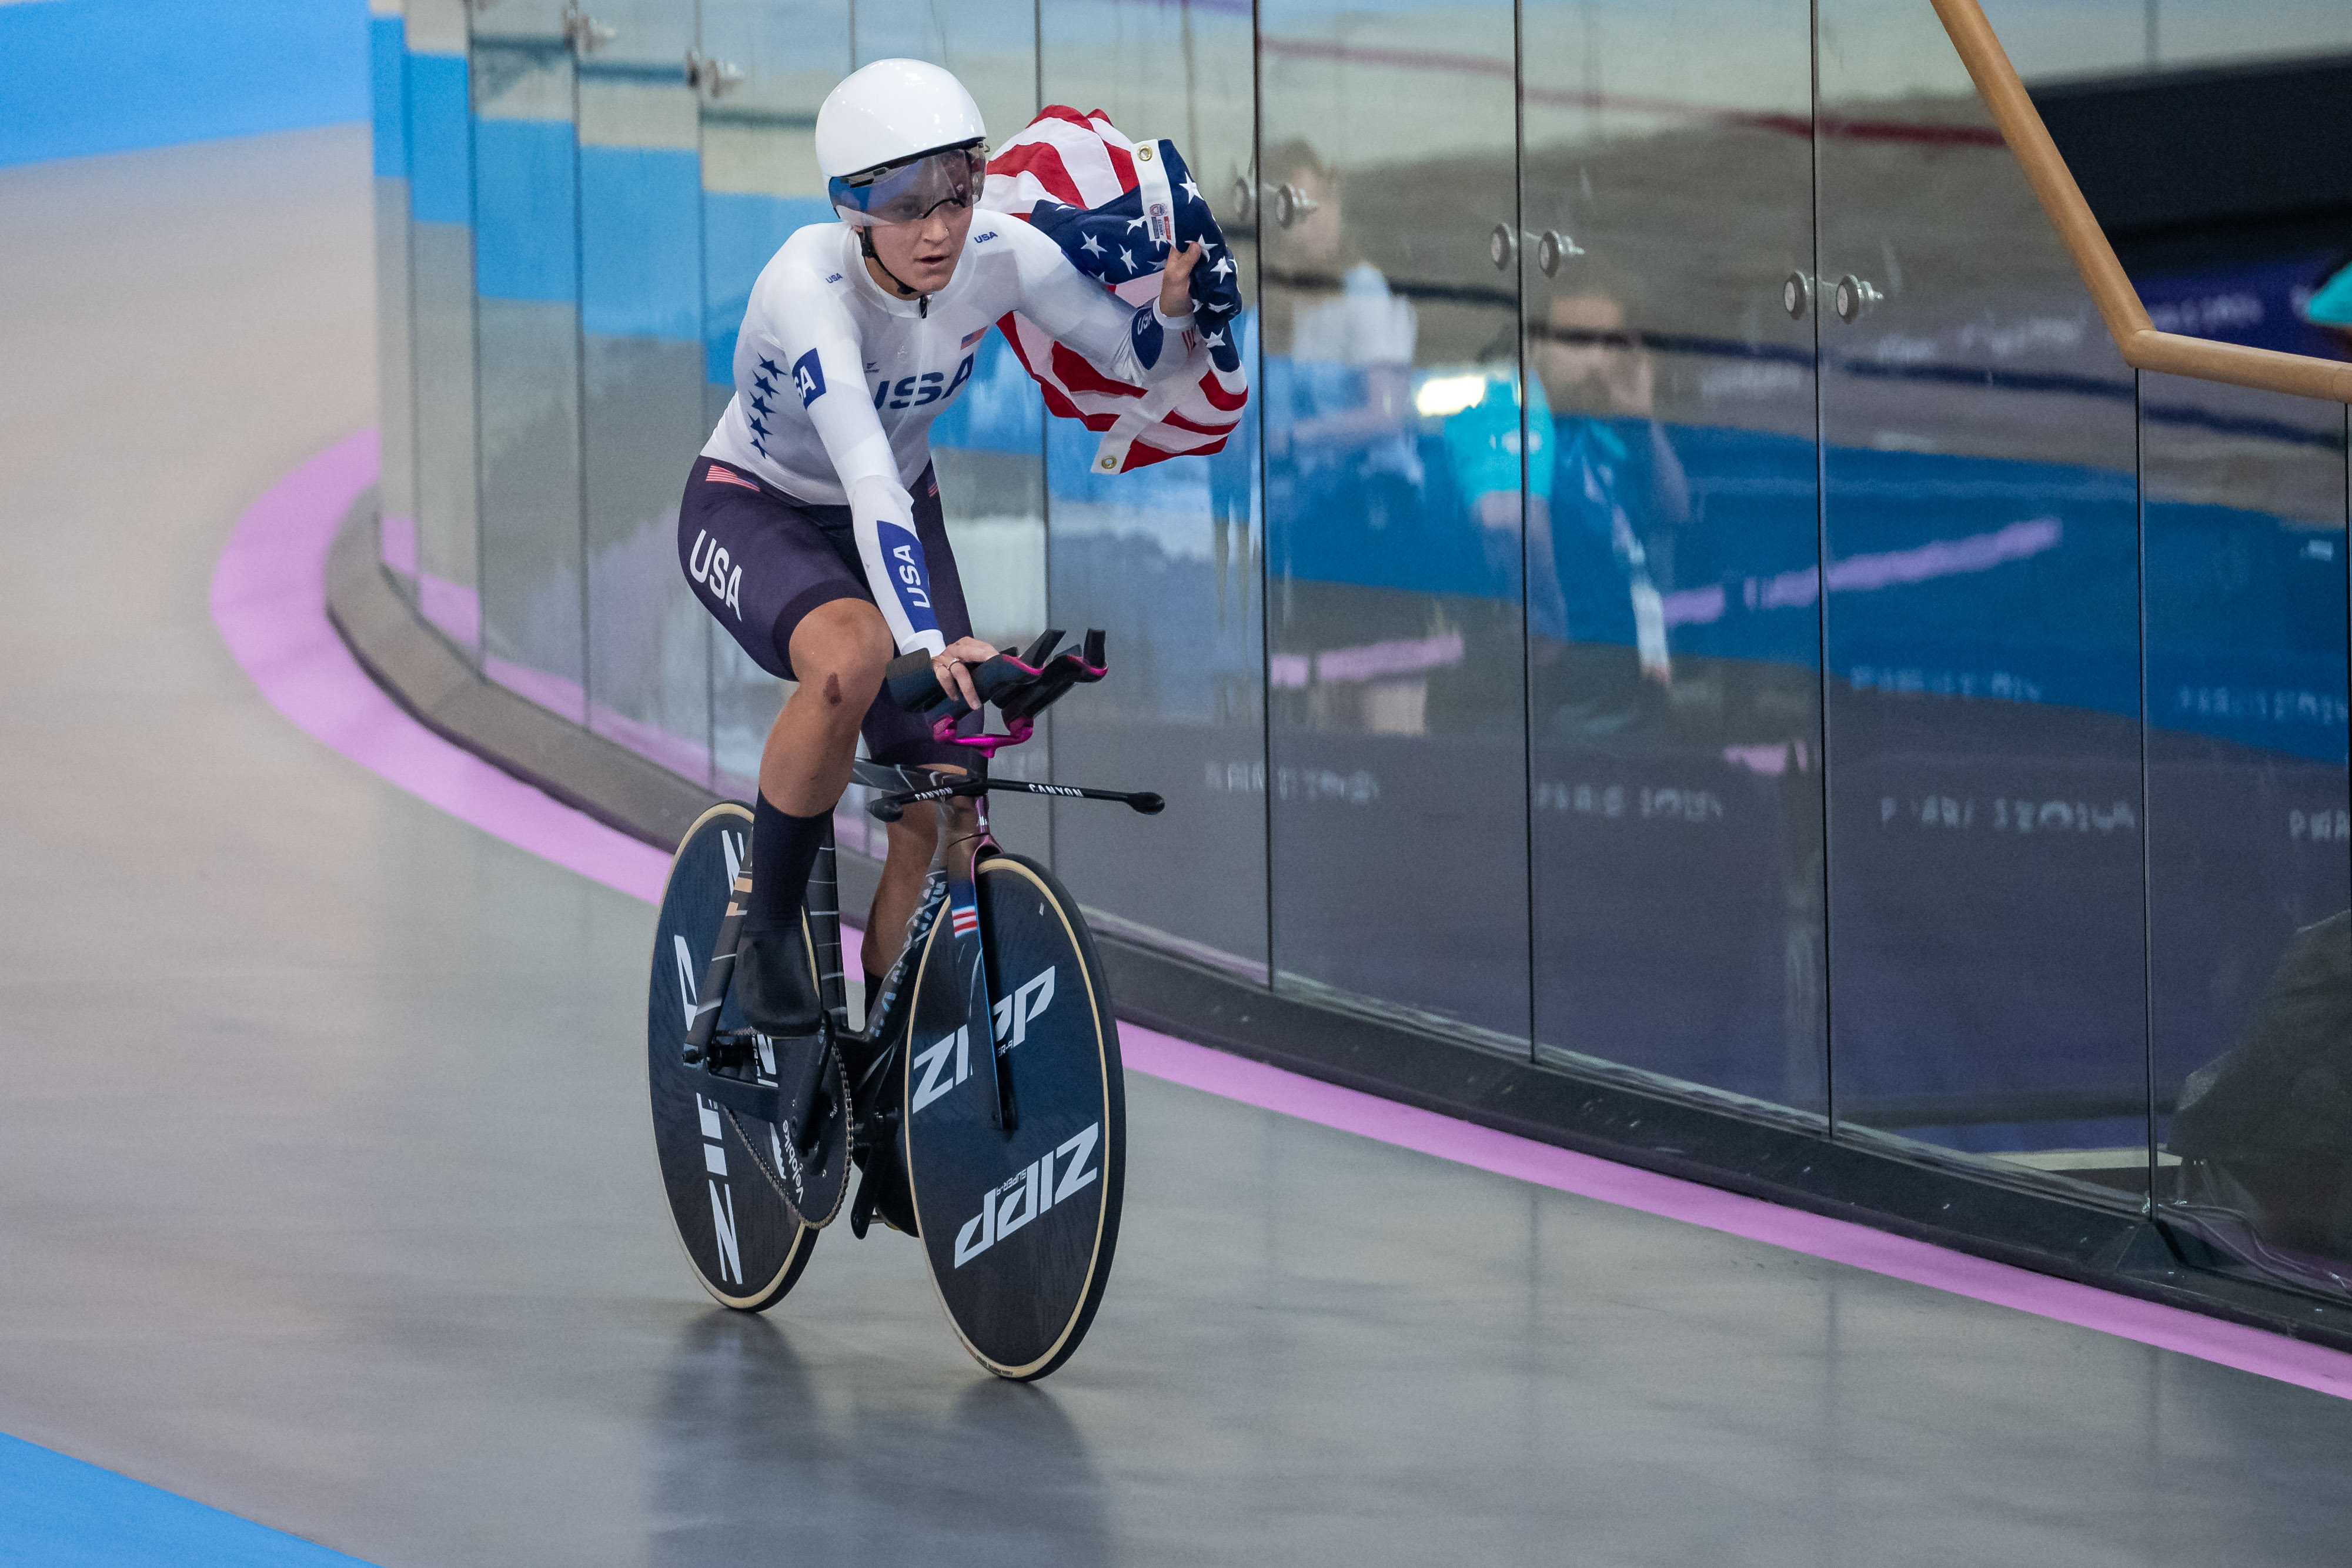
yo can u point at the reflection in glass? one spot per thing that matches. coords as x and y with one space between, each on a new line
1166 558
527 345
1671 523
2250 826
642 413
441 294
1397 759
1987 961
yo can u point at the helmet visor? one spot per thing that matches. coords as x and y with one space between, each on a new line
911 191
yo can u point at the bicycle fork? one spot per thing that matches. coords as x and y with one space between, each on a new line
964 838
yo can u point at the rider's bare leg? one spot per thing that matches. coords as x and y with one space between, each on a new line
838 652
912 839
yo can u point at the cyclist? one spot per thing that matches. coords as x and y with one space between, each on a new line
811 526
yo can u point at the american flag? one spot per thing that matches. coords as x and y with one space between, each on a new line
1118 208
965 918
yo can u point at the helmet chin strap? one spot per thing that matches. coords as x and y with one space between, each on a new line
922 301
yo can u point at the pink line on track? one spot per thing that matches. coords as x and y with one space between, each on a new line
269 598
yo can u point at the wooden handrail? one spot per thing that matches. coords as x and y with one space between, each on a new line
2143 347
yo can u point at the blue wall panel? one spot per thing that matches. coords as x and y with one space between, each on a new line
79 76
523 245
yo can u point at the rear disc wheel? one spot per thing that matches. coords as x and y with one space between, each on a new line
741 1238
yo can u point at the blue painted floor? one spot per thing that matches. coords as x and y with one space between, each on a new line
62 1513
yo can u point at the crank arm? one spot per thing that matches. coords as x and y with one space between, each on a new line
763 1102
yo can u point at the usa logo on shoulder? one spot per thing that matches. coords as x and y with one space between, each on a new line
809 376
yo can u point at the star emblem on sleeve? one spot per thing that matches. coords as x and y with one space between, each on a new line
766 386
761 403
770 368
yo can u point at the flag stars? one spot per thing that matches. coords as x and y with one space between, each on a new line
1090 247
761 403
1189 189
1223 268
1126 260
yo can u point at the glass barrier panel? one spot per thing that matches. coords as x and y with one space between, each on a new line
527 354
1674 605
765 68
441 293
642 412
2250 826
1986 963
987 447
2067 40
1395 655
395 350
1167 558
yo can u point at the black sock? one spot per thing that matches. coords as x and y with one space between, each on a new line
784 852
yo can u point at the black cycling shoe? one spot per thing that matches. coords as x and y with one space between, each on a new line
807 1155
776 984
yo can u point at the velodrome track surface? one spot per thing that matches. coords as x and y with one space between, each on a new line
326 1197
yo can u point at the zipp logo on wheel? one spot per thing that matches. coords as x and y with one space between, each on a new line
1013 1015
1030 1193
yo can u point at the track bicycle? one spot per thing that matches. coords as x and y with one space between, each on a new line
981 1105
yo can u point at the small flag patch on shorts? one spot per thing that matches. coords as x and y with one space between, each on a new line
718 475
965 918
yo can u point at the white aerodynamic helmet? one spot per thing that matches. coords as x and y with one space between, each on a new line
895 139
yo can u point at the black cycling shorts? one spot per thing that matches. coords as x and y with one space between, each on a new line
759 561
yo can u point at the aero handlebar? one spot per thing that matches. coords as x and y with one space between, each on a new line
1022 685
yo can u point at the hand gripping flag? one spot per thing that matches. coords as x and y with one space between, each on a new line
1118 209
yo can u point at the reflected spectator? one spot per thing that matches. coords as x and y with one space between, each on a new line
1619 495
1483 443
2330 307
1339 414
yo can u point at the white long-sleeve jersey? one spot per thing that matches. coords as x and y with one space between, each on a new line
838 381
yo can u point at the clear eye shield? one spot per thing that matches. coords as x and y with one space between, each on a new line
910 191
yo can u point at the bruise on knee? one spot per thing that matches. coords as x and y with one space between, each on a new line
833 690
